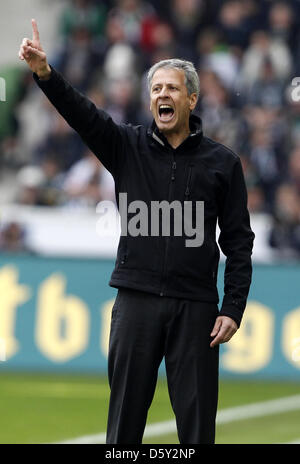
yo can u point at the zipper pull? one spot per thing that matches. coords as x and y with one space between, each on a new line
173 170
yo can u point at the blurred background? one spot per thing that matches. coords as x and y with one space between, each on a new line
56 260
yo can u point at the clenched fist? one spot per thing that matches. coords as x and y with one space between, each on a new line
32 52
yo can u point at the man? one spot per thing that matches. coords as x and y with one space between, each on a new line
167 298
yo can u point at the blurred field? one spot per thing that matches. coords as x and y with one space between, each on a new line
44 408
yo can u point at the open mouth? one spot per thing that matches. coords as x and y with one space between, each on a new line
166 113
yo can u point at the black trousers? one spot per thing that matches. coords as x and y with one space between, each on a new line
144 329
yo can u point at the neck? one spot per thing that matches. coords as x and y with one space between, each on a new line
176 138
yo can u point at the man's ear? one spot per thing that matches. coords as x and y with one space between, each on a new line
193 101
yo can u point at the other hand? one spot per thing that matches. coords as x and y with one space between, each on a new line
223 330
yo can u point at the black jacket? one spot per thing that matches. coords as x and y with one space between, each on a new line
147 168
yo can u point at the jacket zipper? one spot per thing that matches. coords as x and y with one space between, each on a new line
188 184
173 171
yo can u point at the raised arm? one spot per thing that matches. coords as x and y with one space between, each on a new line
97 129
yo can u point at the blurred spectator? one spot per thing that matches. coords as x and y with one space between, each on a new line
83 13
270 121
12 238
208 40
264 157
224 63
115 32
10 152
215 55
41 185
121 100
256 199
87 182
50 191
234 24
187 18
120 62
220 121
119 58
294 169
96 95
64 142
29 182
256 196
262 46
267 90
79 58
285 233
131 14
156 36
281 23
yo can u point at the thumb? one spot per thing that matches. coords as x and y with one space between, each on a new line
217 327
34 51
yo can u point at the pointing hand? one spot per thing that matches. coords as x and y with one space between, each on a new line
32 52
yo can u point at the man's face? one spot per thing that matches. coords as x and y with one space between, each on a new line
170 103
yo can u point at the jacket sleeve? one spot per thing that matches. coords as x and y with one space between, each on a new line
97 129
236 242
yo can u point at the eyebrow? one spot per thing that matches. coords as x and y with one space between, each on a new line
168 83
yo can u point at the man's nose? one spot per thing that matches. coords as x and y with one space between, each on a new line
164 92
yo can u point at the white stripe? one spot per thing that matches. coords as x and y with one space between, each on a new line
293 442
158 139
224 416
259 409
85 440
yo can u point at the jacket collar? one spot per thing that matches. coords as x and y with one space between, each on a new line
193 139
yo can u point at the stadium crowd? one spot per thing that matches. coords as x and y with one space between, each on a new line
247 53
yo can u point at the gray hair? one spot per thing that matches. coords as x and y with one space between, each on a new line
191 76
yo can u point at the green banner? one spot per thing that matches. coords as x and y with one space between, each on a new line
55 315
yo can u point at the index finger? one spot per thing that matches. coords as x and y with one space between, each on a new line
35 32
